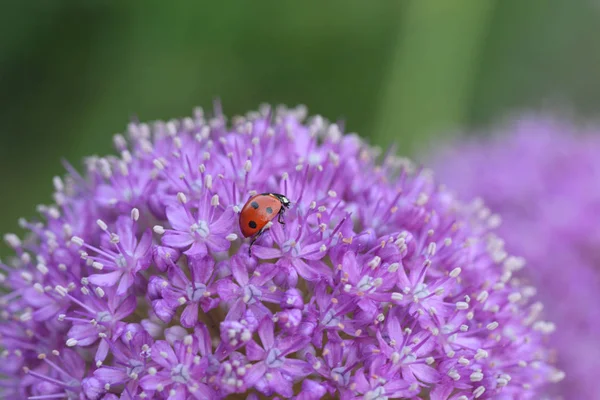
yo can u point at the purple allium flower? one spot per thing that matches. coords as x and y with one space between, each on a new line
137 283
542 175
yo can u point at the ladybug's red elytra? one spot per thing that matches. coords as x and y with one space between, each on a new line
258 211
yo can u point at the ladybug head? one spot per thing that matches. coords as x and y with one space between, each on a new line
285 202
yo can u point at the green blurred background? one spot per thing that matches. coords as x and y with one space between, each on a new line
73 73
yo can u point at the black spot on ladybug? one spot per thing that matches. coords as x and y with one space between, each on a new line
269 210
252 224
254 205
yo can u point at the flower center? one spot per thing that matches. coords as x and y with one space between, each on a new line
251 293
377 394
291 246
341 375
365 284
135 367
273 359
201 228
421 291
180 374
329 319
195 291
103 316
121 261
127 194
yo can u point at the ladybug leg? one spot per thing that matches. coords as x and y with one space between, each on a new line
254 239
280 217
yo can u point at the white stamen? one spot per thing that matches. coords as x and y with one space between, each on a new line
97 265
71 342
393 267
42 268
99 291
135 214
514 297
158 164
215 200
476 376
102 224
374 263
181 198
481 354
483 296
231 237
422 199
557 376
177 142
454 375
478 392
61 290
455 272
397 296
431 249
492 325
12 240
461 305
247 165
77 240
158 229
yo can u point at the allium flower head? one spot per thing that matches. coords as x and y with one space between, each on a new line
542 175
137 283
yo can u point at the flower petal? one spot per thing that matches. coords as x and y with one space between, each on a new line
266 253
110 375
425 373
266 331
177 240
151 382
224 224
125 283
179 218
189 317
126 308
198 249
256 372
106 280
163 354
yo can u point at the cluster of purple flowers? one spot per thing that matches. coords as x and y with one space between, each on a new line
542 174
137 284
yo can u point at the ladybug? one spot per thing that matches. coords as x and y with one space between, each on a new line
258 211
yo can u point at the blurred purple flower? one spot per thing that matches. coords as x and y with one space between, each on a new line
137 283
542 176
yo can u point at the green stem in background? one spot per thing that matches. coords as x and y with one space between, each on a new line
431 77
